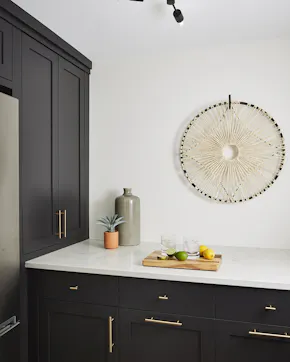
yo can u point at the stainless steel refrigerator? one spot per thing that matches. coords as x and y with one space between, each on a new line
9 230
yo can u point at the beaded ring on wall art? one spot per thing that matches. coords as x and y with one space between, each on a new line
232 151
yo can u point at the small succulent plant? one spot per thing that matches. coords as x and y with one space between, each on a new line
110 223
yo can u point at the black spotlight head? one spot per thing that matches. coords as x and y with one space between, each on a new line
170 2
178 16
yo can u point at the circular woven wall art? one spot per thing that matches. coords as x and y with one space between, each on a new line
232 151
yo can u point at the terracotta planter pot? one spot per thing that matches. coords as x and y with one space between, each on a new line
111 240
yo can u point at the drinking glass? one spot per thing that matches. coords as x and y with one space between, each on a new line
191 246
167 242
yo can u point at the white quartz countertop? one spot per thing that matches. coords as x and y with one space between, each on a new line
246 267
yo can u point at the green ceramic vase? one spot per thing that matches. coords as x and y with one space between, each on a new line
128 206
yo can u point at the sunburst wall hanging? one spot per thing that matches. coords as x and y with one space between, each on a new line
232 151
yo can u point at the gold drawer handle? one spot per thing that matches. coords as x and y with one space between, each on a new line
111 344
255 333
60 232
74 288
270 307
152 320
64 221
164 297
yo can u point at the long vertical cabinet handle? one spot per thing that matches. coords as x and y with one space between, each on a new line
111 344
59 234
64 217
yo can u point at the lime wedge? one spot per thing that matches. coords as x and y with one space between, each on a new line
170 252
162 257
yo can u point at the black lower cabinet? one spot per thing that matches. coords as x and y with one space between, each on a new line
76 332
147 336
240 342
9 346
70 322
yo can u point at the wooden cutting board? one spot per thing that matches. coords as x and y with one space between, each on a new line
194 264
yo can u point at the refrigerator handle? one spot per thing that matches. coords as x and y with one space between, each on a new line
8 326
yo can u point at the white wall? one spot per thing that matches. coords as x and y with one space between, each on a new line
139 108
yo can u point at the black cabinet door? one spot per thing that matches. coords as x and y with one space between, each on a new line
6 50
73 176
10 346
158 337
39 145
240 342
76 332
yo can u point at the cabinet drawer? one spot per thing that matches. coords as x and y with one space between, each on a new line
167 297
253 305
158 337
251 342
96 289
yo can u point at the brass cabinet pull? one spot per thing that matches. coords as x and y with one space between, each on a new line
64 217
59 234
74 288
270 307
164 297
111 344
158 321
256 333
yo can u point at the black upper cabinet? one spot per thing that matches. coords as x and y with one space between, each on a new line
72 172
6 60
39 145
165 337
76 332
263 343
51 80
54 158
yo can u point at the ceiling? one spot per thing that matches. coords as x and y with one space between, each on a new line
121 28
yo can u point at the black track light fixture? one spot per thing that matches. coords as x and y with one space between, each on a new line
176 13
178 16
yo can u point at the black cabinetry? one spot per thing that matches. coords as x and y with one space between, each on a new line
51 80
153 320
76 332
6 59
39 145
73 175
239 342
73 317
167 297
54 174
148 336
54 118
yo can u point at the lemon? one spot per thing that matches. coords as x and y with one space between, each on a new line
181 255
170 252
202 249
208 254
